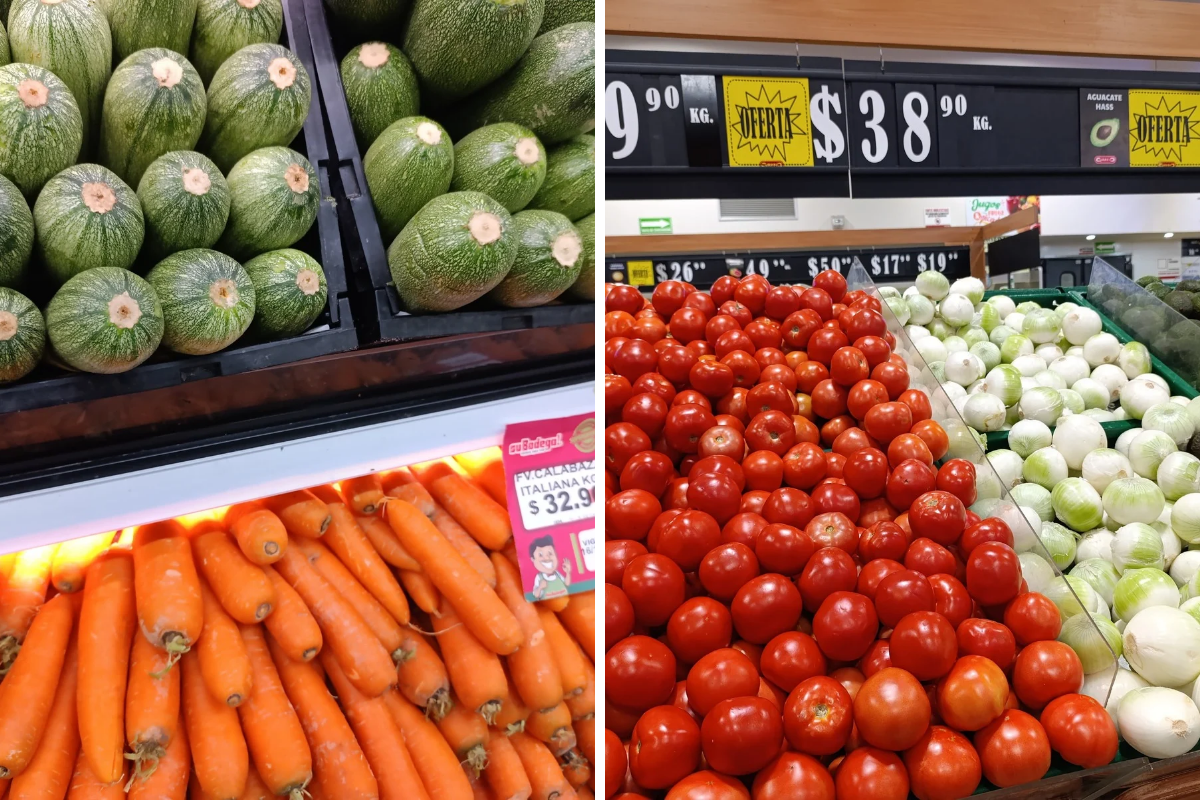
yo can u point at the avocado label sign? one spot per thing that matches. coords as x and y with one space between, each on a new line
1164 128
1104 133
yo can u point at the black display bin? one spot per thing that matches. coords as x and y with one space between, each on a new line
333 332
378 310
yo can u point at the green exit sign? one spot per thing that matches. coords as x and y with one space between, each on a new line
654 225
1105 248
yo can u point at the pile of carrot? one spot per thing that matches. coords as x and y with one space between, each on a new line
270 650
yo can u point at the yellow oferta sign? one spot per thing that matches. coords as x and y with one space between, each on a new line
767 122
1164 128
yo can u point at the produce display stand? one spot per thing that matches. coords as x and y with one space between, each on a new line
332 332
378 310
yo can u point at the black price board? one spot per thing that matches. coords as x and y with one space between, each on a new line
883 264
720 125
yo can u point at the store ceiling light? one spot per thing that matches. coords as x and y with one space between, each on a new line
1090 237
1168 235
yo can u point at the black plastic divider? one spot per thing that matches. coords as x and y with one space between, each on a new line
378 309
333 332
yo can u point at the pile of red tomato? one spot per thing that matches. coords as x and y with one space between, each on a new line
783 620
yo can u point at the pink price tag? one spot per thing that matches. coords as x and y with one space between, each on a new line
550 471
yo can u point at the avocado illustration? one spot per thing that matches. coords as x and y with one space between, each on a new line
1104 131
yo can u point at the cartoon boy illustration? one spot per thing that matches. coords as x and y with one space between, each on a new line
549 581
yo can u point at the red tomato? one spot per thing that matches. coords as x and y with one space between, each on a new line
668 297
615 763
655 586
731 341
866 472
993 574
687 324
935 438
950 598
1013 749
817 716
702 301
618 615
699 626
771 430
1044 671
664 747
799 326
722 440
636 357
818 300
718 324
723 289
675 363
751 292
789 506
983 637
622 441
617 391
943 765
779 373
891 710
848 366
888 420
753 502
764 471
744 528
871 774
639 672
884 539
939 516
829 570
726 568
793 775
764 333
741 735
715 494
917 402
832 282
706 784
804 466
629 514
770 396
1080 730
781 301
894 377
835 463
717 676
687 537
824 343
908 481
623 297
829 399
736 310
830 498
973 694
957 476
684 426
852 440
992 529
791 657
874 348
806 430
711 378
783 548
835 427
844 626
864 396
924 643
877 657
906 446
873 573
833 529
929 558
1033 617
900 594
765 607
809 374
617 555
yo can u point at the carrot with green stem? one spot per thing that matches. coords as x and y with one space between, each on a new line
48 775
475 672
22 596
364 495
221 653
71 560
436 763
362 655
86 786
354 549
513 711
302 513
552 726
545 775
421 590
379 736
273 731
485 519
259 533
151 706
504 772
466 732
533 667
579 617
476 603
571 663
291 623
169 780
241 586
386 543
167 588
583 705
219 751
339 766
27 693
467 547
107 625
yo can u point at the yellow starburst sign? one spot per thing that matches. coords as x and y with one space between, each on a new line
1164 128
767 122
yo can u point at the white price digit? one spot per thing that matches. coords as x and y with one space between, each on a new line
830 144
941 262
652 99
871 104
621 117
671 97
916 111
953 105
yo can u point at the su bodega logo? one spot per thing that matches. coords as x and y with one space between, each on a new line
1164 128
767 122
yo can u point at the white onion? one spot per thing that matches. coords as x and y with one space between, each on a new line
1015 320
1147 451
1077 504
955 344
1178 475
1003 304
1162 644
1186 566
1077 436
1103 466
984 412
1074 350
1110 377
963 368
1094 639
1102 348
1081 324
1036 570
974 336
1172 546
1185 518
1007 465
956 309
931 349
1094 393
933 284
972 288
1041 326
1096 543
1004 381
1046 467
1027 364
1159 722
1072 369
1043 404
1099 414
1029 435
1108 690
1059 543
1125 440
999 335
1049 378
1136 546
1072 595
1170 418
920 310
916 332
1193 409
1101 575
989 318
1134 359
1049 352
1136 499
1031 495
1139 395
1141 588
899 307
989 354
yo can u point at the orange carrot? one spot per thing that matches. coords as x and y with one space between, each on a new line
385 541
291 623
258 531
86 786
219 750
379 736
570 661
583 705
167 588
475 672
483 517
365 660
552 726
222 653
72 559
555 604
467 547
585 739
436 763
545 776
579 617
575 768
28 691
338 763
421 590
421 675
25 591
533 667
429 471
256 788
364 495
481 790
513 712
381 623
151 705
396 477
466 733
273 731
240 585
48 775
486 467
107 625
170 779
302 513
476 603
504 772
352 547
585 792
